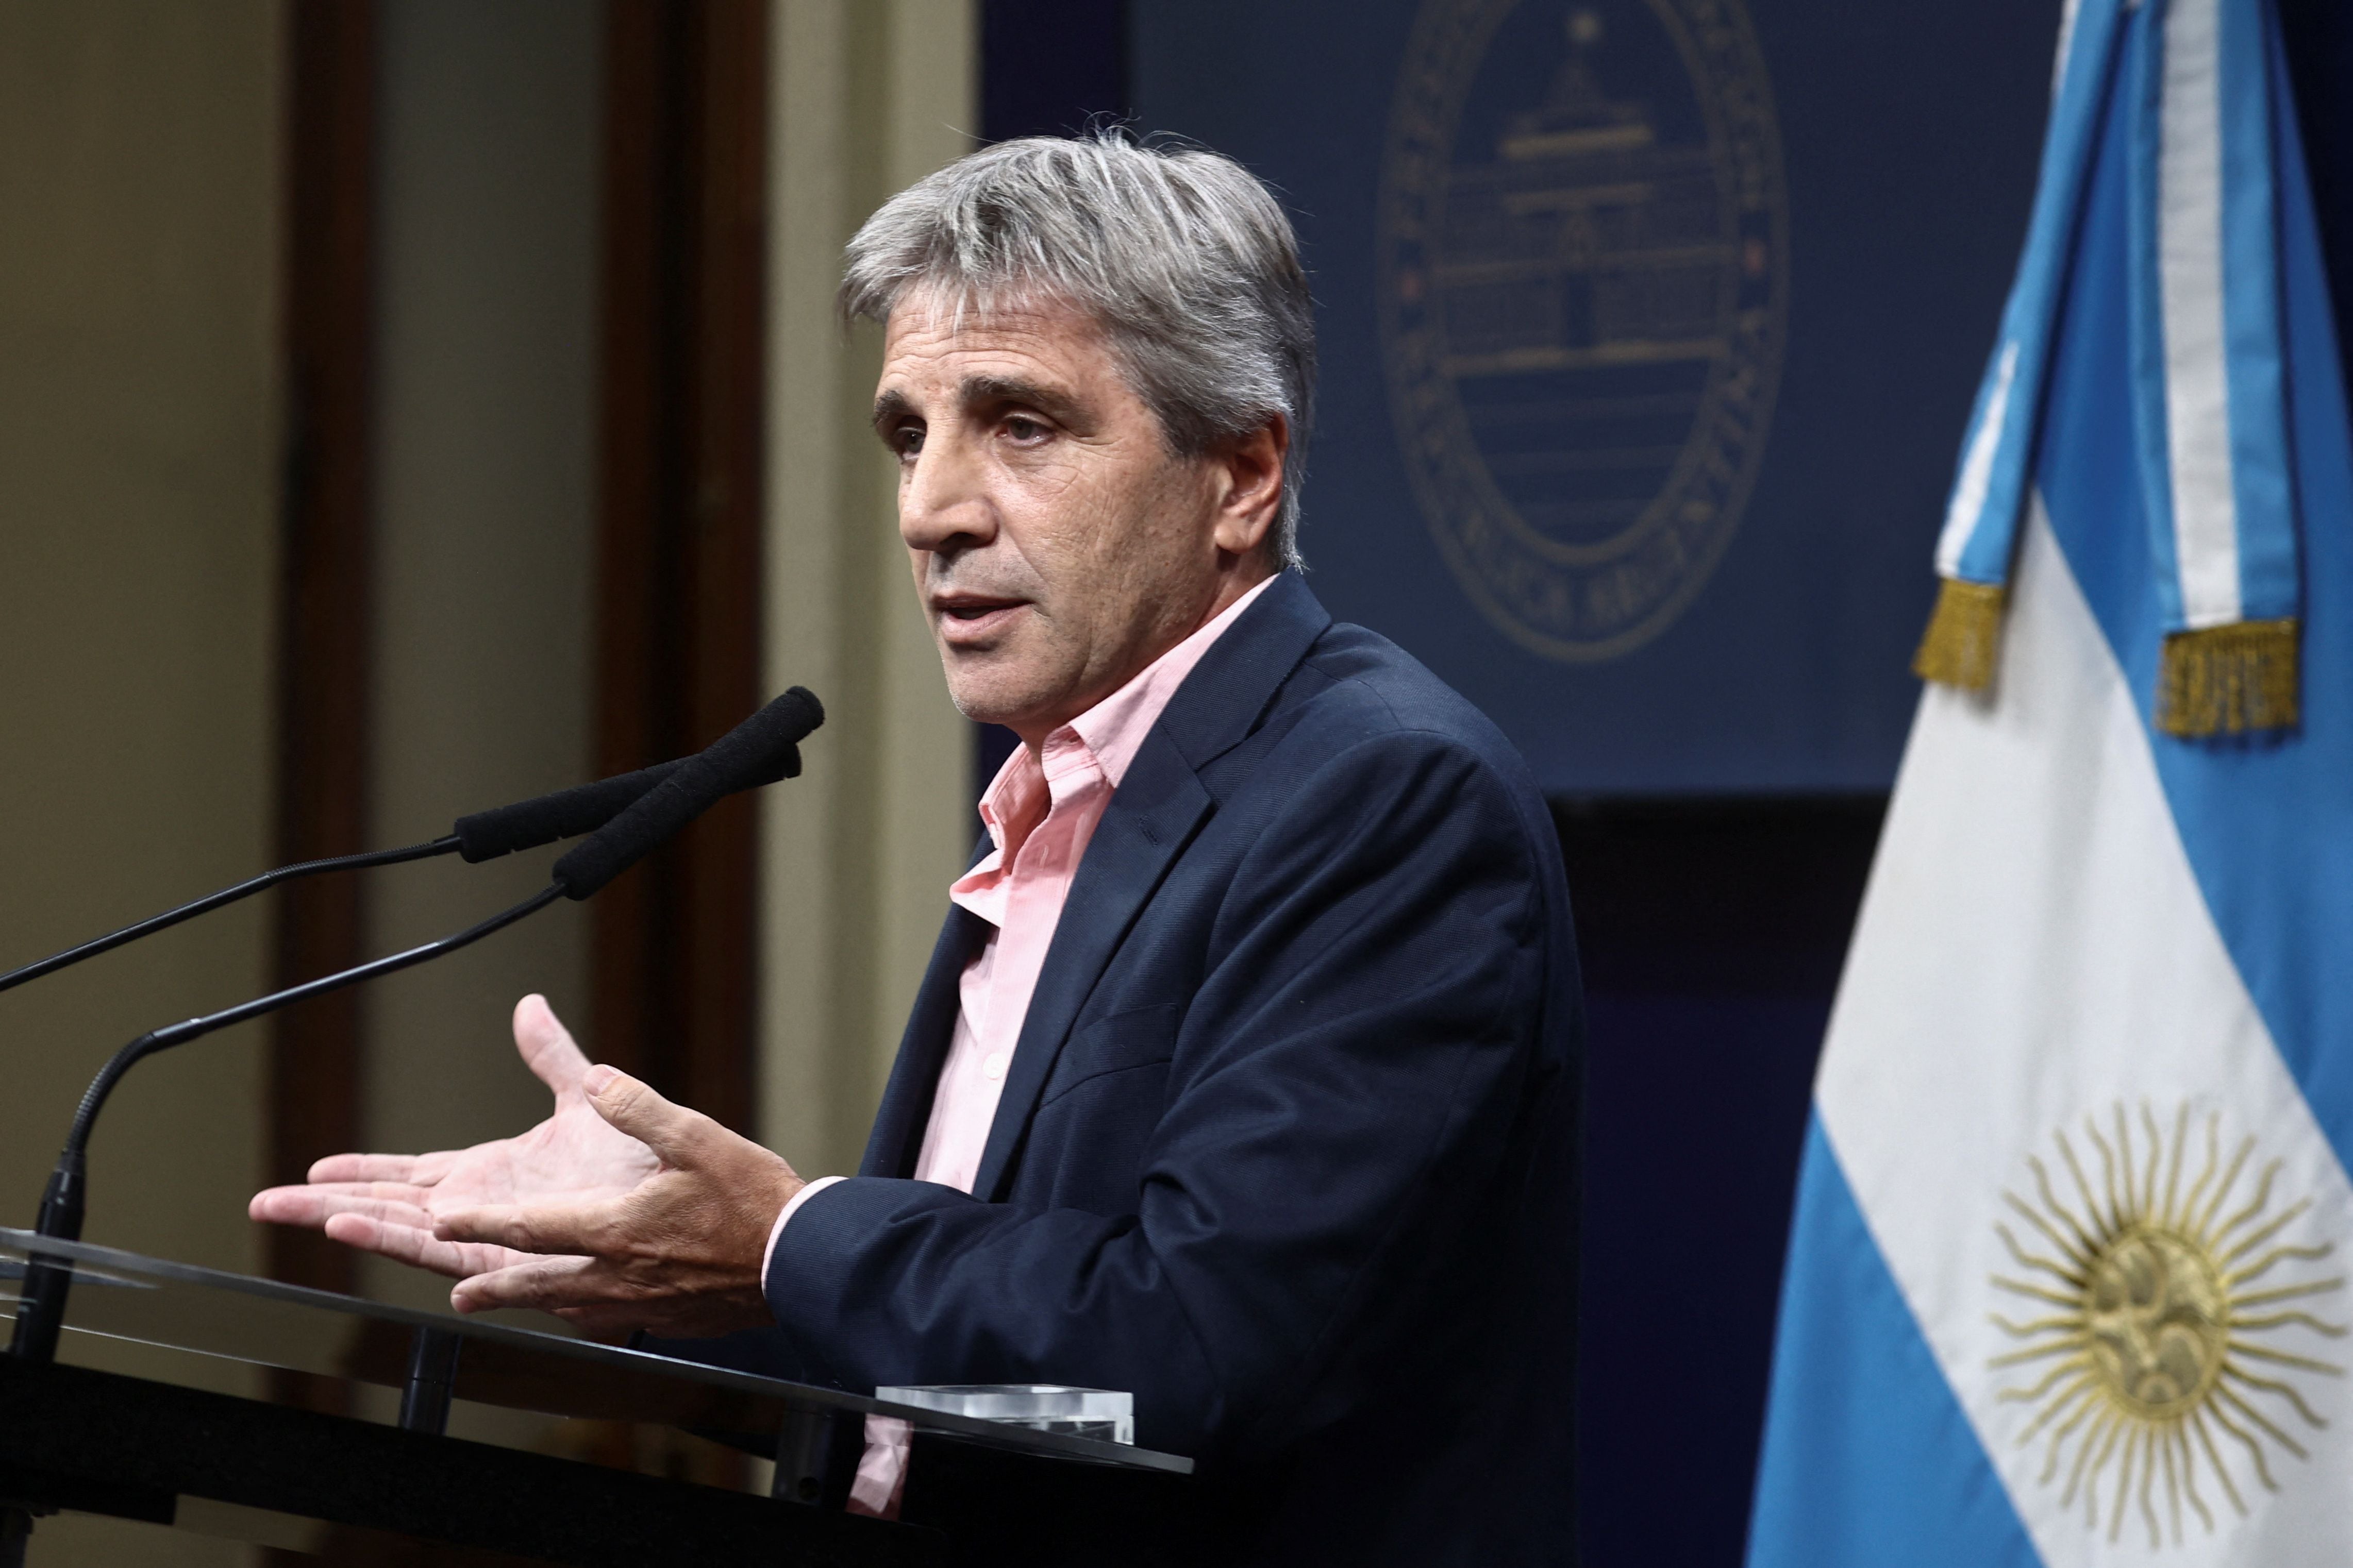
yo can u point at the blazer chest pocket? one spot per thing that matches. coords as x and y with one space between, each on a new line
1121 1042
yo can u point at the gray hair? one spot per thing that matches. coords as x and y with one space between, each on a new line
1185 259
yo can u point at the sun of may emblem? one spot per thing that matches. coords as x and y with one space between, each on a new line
2171 1351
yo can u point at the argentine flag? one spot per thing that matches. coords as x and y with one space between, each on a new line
2068 1277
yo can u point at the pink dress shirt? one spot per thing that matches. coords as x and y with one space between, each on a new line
1040 812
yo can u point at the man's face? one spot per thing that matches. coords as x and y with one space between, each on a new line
1057 543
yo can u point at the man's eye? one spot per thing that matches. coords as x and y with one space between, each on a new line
907 440
1024 430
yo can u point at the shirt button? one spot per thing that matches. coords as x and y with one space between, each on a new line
992 1066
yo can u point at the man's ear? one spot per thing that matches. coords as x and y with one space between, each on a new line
1250 471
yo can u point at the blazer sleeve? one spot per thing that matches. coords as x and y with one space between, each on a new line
1346 1085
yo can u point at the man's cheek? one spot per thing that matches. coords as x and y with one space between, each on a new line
1049 479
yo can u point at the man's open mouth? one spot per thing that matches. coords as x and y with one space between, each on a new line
968 615
975 609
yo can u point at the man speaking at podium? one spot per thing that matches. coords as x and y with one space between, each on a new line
1244 1077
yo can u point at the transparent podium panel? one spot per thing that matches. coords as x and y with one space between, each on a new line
375 1421
123 1296
1100 1413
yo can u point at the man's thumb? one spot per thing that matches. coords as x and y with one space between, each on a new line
545 1045
638 1110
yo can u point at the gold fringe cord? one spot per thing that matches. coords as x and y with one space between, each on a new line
1964 636
2227 680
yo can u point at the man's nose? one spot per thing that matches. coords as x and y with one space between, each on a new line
943 504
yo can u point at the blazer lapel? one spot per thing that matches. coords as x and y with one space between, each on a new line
907 1109
1152 816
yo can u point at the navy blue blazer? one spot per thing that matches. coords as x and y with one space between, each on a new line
1287 1145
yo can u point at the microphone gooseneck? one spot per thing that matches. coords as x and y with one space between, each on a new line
40 1308
154 1040
659 803
211 902
482 836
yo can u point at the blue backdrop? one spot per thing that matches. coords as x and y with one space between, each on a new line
1592 209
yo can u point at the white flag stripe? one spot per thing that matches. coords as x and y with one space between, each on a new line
2189 286
2033 949
1977 468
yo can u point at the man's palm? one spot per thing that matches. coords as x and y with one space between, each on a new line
388 1202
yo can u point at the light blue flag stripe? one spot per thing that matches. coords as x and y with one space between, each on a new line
1868 1460
2268 827
1989 496
2209 95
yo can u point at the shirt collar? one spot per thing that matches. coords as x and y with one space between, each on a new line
1114 728
1107 735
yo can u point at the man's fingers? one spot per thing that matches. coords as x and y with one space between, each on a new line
672 1131
422 1249
546 1283
546 1045
367 1168
551 1227
315 1205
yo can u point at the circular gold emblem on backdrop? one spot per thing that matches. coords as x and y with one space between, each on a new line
2174 1306
1583 301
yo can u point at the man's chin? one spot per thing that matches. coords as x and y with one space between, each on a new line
986 693
987 710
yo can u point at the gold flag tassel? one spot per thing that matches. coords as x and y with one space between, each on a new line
2229 680
1964 635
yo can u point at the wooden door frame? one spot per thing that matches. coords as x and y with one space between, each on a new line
325 600
674 944
677 661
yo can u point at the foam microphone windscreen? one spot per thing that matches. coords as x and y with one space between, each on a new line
566 813
584 808
762 748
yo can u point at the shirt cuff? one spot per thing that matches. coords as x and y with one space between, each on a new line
882 1481
792 1208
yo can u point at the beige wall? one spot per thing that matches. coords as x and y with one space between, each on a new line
486 254
485 304
138 184
867 96
488 148
138 521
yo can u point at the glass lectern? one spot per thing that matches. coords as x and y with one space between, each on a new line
279 1470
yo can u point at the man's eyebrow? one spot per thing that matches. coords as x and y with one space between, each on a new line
977 390
889 408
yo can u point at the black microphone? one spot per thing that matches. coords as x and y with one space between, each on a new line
482 836
544 819
767 739
763 748
585 808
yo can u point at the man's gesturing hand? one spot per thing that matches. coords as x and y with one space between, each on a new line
388 1202
679 1253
